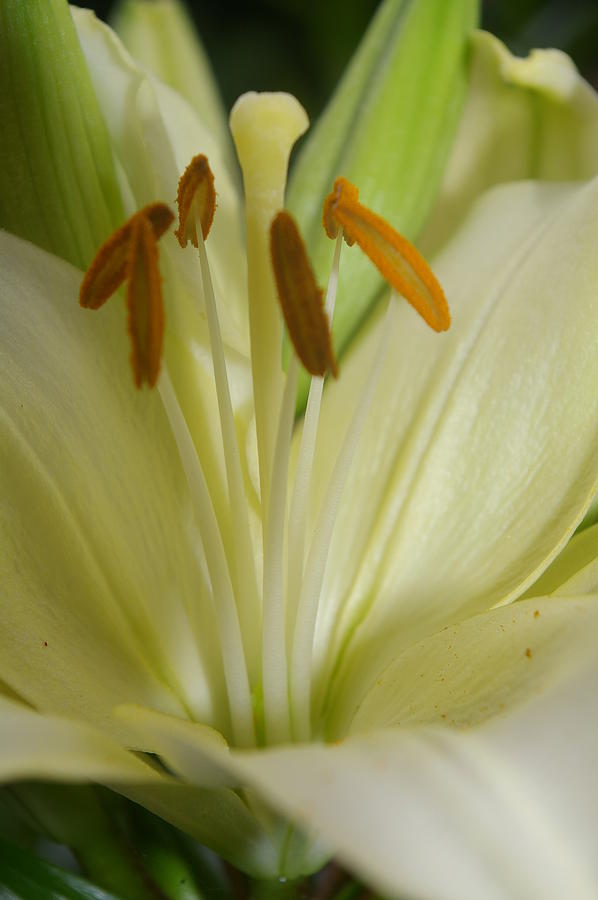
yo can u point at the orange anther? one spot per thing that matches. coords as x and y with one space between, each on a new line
131 254
300 297
145 320
401 264
196 199
107 270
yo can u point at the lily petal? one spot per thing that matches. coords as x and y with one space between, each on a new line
98 541
534 117
162 37
49 747
575 570
502 811
36 746
466 479
470 672
505 811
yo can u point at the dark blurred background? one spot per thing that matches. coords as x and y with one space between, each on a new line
302 46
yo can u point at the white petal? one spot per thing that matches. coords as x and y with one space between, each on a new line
103 593
46 747
467 482
503 811
575 570
534 117
470 672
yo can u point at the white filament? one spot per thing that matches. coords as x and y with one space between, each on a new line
229 629
248 601
298 509
307 610
274 652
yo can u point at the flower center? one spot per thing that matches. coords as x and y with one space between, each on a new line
269 686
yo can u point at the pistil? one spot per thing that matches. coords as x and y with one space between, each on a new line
264 128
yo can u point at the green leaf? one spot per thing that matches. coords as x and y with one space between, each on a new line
389 128
22 874
58 185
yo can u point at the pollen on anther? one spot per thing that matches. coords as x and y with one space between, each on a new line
196 199
108 268
301 299
145 321
398 261
131 254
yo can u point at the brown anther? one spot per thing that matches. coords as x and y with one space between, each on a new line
300 297
398 261
196 200
145 321
107 270
131 254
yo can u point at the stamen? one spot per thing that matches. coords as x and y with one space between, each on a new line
196 201
309 431
274 651
300 297
393 255
231 641
307 610
131 253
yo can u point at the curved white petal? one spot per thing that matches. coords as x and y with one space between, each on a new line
204 760
480 668
532 117
47 747
162 37
575 570
503 811
103 595
467 482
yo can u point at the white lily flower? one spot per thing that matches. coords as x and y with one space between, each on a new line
321 646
